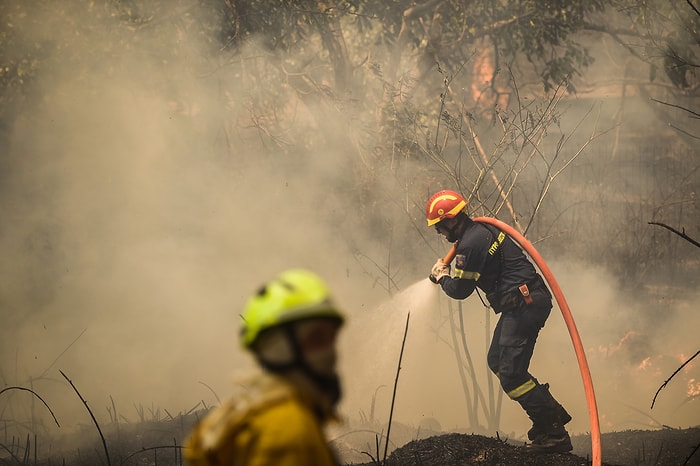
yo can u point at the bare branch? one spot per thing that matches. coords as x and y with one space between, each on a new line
695 114
672 375
36 395
94 420
679 233
396 383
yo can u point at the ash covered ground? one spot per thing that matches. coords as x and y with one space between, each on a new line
160 443
667 447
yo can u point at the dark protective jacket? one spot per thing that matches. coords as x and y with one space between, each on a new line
489 259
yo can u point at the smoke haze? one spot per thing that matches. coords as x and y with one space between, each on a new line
136 223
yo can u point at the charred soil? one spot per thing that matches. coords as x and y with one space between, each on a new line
159 443
666 447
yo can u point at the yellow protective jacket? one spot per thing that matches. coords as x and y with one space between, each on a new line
271 425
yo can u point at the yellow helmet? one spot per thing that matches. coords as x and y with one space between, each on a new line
294 295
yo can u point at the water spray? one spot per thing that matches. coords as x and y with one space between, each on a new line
568 319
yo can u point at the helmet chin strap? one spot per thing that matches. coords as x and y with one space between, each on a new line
458 226
453 231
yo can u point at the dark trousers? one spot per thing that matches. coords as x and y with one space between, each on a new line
513 344
509 357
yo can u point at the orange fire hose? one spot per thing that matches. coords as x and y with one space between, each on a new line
450 254
568 318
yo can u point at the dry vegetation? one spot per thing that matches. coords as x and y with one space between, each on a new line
158 443
630 448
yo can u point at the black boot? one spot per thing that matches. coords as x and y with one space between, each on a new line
548 418
562 416
553 438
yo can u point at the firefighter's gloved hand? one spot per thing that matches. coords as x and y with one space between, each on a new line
440 269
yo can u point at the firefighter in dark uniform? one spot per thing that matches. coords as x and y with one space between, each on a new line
486 258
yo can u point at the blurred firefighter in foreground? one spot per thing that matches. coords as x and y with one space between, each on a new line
290 326
488 259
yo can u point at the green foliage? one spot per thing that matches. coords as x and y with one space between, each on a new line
670 34
541 37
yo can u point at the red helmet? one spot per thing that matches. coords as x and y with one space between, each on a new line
444 204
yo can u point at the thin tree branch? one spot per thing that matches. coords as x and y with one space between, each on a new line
695 114
104 442
36 395
396 383
679 233
672 375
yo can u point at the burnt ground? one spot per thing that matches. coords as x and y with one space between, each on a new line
159 443
666 447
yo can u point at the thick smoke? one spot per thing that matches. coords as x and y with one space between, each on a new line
131 242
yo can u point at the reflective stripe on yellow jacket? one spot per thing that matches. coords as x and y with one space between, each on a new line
271 427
